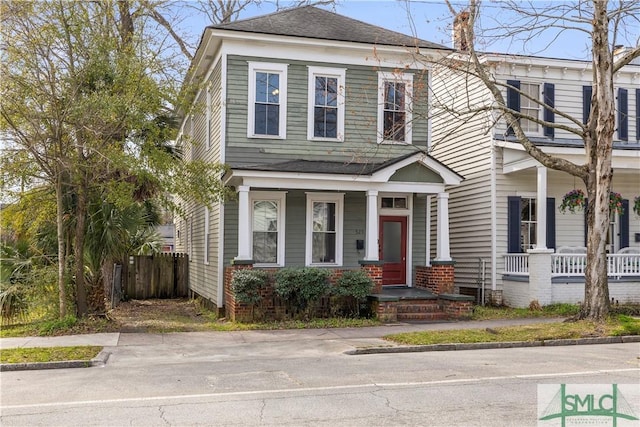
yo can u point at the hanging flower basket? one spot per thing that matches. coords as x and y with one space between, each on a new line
573 201
615 203
636 205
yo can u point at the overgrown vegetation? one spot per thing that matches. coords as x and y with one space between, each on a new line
350 292
552 310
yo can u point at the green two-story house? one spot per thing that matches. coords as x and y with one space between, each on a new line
324 123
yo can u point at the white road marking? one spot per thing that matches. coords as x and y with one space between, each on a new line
317 389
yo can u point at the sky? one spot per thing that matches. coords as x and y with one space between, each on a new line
431 20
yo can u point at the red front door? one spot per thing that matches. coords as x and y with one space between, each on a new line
393 249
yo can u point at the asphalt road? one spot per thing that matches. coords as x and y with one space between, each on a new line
226 381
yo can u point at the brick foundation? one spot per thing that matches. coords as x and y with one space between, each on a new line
374 271
437 278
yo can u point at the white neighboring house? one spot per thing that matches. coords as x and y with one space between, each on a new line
508 235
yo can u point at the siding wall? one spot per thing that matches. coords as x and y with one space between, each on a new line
462 141
203 278
361 103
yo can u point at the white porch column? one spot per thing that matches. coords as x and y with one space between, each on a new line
371 242
244 251
427 261
541 209
442 241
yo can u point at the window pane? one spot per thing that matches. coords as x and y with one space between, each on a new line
332 92
260 122
323 247
324 216
387 202
321 91
265 247
391 251
400 203
261 87
273 120
274 88
265 216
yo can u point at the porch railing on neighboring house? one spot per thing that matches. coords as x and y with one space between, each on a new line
573 265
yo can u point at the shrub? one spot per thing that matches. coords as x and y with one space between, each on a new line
350 291
247 284
353 283
13 304
302 287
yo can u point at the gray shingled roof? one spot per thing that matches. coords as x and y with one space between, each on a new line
315 23
325 166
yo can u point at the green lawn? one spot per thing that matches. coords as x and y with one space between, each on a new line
48 354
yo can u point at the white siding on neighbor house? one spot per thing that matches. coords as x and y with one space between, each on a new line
462 140
568 81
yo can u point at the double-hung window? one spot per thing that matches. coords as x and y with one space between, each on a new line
324 228
267 110
530 107
395 95
326 104
267 221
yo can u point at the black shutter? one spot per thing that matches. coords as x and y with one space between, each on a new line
586 222
513 99
551 223
623 114
513 225
549 116
624 225
587 91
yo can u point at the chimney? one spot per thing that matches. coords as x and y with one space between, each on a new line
460 41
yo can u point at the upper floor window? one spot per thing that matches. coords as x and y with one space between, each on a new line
530 106
267 237
326 104
324 228
395 95
535 101
267 100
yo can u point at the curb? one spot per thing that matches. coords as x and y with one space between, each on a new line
99 360
493 345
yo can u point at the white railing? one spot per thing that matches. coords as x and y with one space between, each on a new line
516 264
573 265
620 265
568 264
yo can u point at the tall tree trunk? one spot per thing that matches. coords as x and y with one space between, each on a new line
598 145
62 292
78 250
107 279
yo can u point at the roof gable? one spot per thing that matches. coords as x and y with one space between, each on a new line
315 23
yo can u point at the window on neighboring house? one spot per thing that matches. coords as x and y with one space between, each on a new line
208 136
326 104
395 95
324 228
522 223
623 114
206 235
267 100
267 238
528 99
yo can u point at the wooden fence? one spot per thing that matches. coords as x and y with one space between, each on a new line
156 276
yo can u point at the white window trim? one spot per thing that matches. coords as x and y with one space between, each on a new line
280 198
192 138
540 131
281 69
208 133
206 235
407 78
340 74
338 199
190 238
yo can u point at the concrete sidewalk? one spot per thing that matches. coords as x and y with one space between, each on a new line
344 334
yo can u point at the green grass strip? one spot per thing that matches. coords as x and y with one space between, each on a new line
48 354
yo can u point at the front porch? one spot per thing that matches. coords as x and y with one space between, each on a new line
551 277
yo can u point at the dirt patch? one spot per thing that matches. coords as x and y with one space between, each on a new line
160 315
